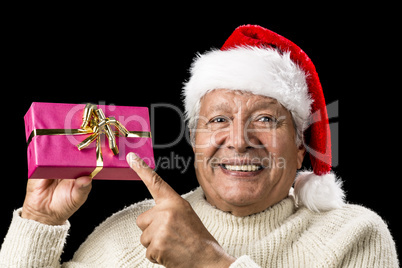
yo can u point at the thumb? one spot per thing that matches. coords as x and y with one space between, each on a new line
82 187
158 188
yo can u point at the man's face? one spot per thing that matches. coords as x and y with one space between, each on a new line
246 155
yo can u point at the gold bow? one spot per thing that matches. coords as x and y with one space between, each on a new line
95 122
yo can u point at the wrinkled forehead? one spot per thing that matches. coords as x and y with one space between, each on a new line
232 100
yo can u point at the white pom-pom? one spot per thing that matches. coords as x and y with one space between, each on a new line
318 193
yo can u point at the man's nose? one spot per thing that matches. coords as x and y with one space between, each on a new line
238 139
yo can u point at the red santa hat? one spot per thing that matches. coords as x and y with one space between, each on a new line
262 62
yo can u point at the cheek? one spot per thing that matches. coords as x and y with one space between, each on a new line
281 150
203 145
203 153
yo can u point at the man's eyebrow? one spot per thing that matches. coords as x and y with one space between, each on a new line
223 106
226 107
265 104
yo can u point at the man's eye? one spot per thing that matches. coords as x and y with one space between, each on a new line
265 119
218 120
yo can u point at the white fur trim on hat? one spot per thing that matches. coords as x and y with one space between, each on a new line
318 193
261 71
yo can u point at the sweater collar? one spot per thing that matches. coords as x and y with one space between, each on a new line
271 218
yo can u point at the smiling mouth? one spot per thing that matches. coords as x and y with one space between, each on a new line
242 168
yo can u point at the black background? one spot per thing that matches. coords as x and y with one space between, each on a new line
139 56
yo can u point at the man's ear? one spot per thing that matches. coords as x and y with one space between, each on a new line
301 152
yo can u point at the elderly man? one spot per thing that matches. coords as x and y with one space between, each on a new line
248 106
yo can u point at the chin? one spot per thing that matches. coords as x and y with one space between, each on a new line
241 194
236 189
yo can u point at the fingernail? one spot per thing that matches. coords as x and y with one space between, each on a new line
87 183
131 158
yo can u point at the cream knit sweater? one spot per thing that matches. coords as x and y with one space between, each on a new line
281 236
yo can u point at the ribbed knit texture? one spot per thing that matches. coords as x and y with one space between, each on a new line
32 244
281 236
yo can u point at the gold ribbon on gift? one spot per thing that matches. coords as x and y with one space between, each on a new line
95 122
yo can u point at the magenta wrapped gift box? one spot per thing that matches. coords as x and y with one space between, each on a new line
53 131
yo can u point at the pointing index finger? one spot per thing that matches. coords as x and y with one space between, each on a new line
158 188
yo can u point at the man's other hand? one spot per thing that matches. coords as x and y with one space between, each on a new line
172 232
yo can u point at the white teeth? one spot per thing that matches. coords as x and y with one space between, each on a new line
242 167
